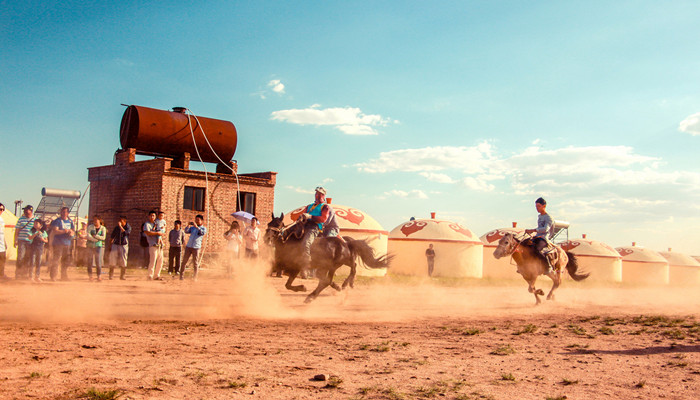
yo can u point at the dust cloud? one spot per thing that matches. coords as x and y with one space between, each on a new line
251 293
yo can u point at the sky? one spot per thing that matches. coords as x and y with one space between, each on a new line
470 109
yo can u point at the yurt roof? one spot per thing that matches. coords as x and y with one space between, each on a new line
641 254
679 259
588 247
348 218
495 235
433 230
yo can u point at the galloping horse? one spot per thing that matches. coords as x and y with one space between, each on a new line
532 264
327 255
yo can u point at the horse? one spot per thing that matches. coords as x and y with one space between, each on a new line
327 255
532 264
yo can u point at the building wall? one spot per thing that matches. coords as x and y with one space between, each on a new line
134 188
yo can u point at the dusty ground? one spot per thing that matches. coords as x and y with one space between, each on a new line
248 338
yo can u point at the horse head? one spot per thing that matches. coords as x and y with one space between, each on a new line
506 246
274 228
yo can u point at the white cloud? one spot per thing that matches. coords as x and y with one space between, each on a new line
300 190
634 186
349 120
691 124
412 194
276 85
437 177
469 160
121 62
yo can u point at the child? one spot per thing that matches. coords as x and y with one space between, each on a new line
233 243
160 225
96 235
177 239
39 238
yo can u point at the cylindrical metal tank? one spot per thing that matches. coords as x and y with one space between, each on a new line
168 133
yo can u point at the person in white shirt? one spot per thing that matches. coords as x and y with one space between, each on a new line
251 235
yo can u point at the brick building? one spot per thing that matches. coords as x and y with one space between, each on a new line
133 188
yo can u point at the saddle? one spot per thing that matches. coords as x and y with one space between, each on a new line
551 254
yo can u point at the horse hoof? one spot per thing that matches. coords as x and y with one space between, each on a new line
540 292
308 300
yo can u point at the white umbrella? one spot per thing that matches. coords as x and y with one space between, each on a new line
243 216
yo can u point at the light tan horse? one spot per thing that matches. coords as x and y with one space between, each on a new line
532 264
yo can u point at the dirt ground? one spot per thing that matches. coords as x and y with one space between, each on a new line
391 338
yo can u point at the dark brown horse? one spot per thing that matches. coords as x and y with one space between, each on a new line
532 264
327 255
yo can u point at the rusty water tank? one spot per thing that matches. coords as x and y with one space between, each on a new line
168 133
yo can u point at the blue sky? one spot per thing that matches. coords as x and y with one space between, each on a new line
470 109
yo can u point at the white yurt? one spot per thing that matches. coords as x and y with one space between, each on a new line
502 268
458 251
643 266
683 270
358 225
10 222
602 262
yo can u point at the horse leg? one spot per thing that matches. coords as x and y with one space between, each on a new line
556 281
350 280
331 275
323 282
294 288
537 292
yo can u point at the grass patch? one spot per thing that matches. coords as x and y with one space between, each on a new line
470 331
236 385
529 328
508 377
577 330
640 384
333 382
503 350
95 394
606 330
35 375
658 320
567 382
591 318
555 398
674 334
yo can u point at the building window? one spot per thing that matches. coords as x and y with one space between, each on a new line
247 200
194 198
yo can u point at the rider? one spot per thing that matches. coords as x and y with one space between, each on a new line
316 215
544 230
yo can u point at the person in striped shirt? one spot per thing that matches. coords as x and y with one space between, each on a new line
23 229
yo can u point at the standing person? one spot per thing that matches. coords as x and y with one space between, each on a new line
233 245
196 230
251 235
177 239
62 232
544 230
155 247
3 245
81 251
430 255
23 229
96 235
120 247
39 239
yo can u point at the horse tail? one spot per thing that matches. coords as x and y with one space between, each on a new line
572 267
360 248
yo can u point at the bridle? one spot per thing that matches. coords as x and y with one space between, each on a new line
284 233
